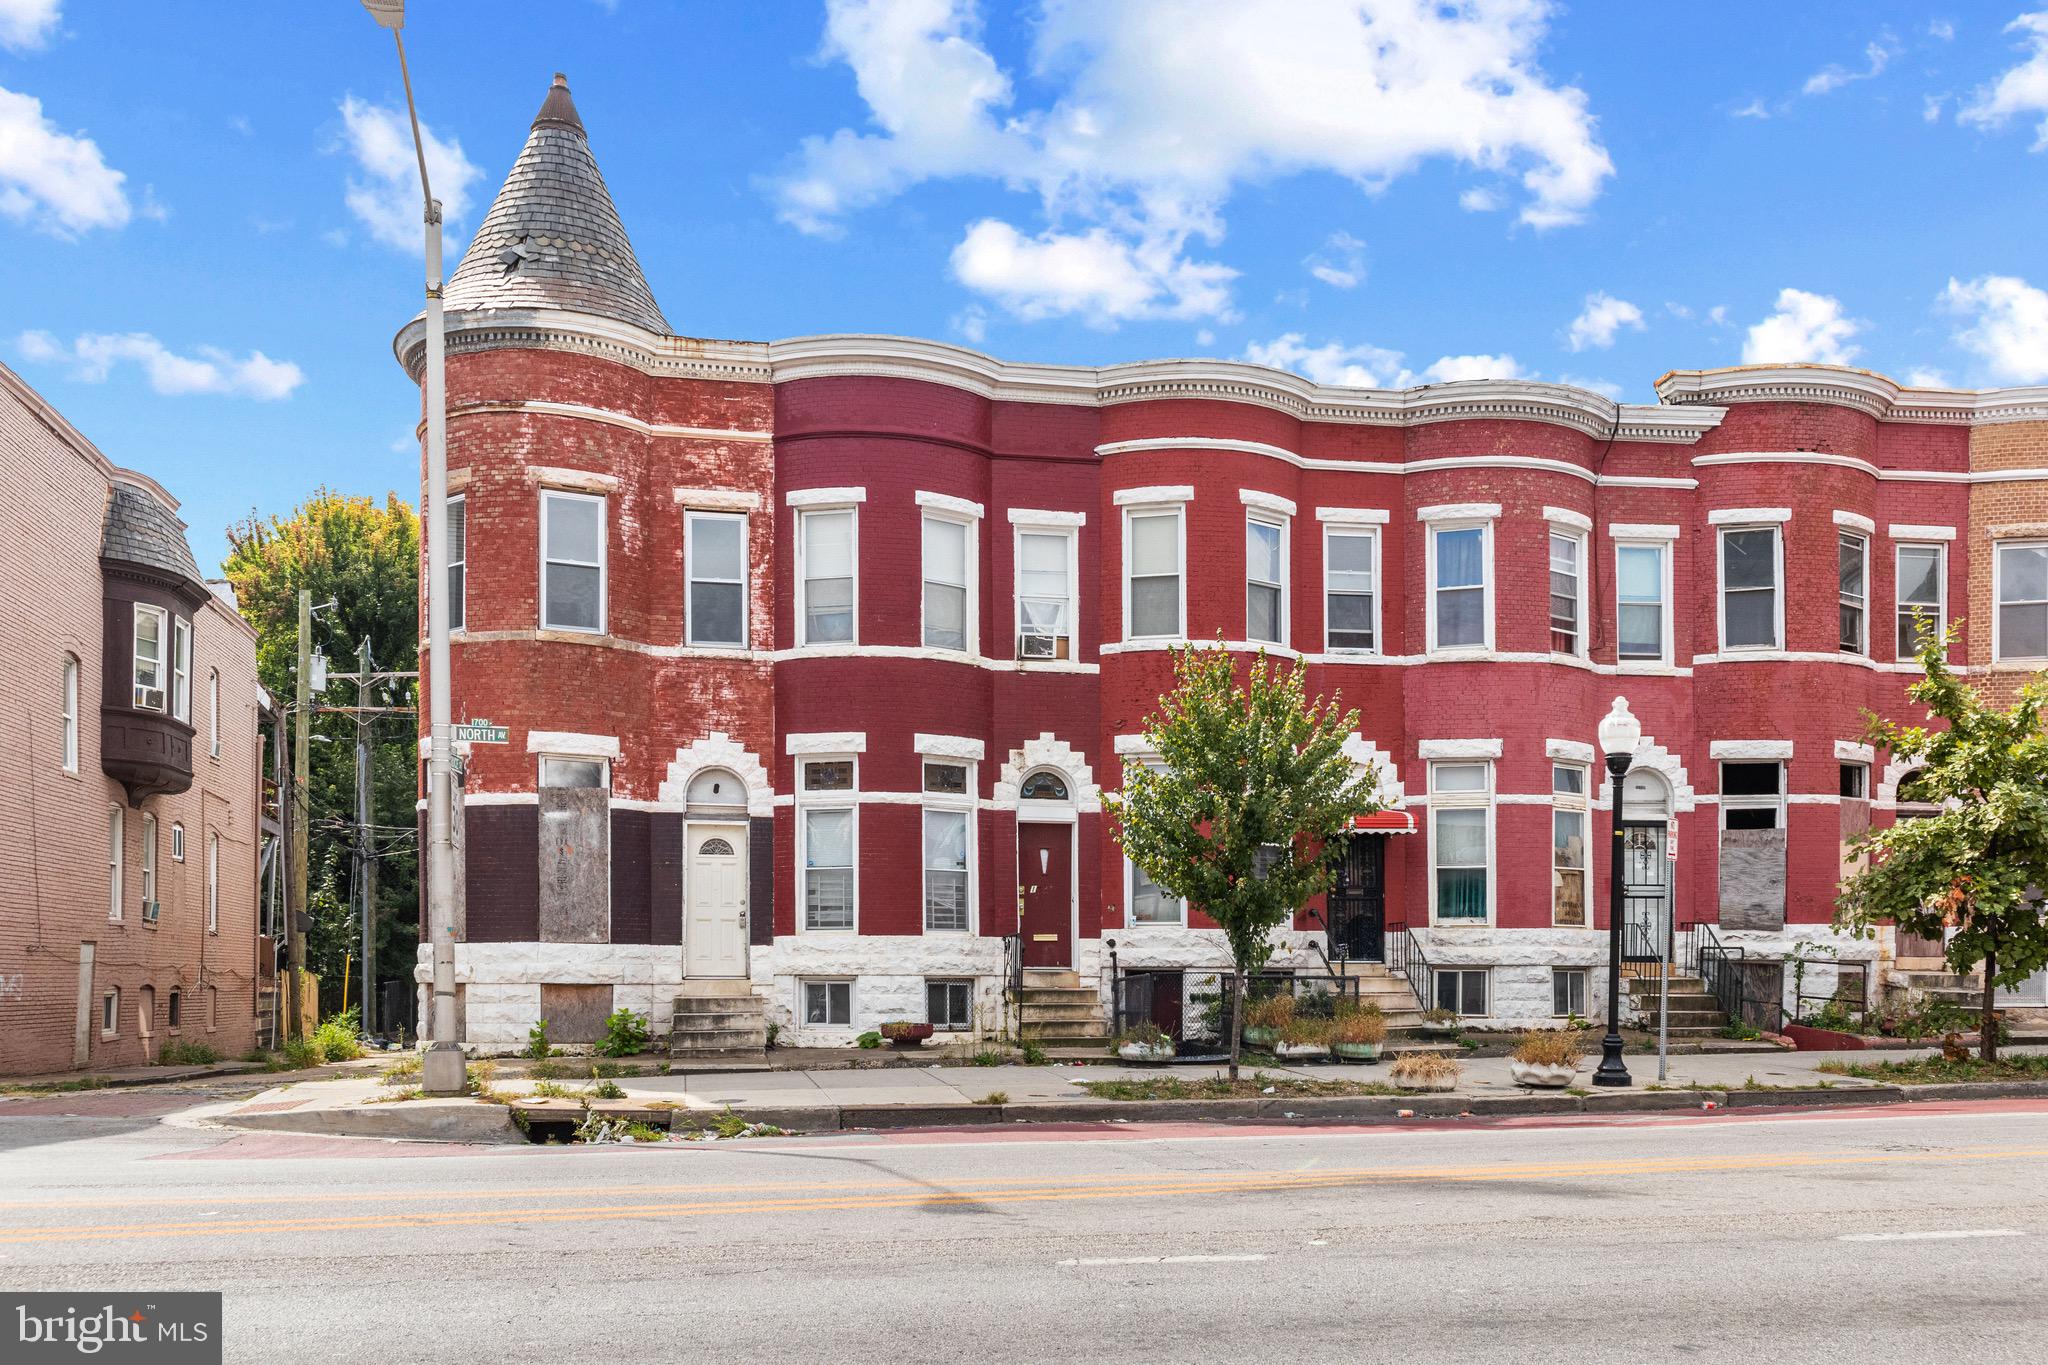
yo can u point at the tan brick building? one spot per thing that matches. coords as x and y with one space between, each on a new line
129 766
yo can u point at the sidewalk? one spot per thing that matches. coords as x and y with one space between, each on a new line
939 1096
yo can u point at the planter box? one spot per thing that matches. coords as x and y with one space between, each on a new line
1262 1037
1427 1087
1145 1052
1808 1039
908 1035
1546 1075
1302 1052
1357 1052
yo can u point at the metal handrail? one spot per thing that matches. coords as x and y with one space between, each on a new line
1013 973
1405 955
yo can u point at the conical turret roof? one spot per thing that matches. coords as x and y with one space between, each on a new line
552 238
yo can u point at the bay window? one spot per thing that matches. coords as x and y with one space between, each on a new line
2020 630
1568 844
1642 603
1567 593
715 564
1750 608
572 562
947 565
1458 588
826 557
827 812
1045 594
1461 841
151 625
1921 591
1350 590
1152 574
181 668
458 561
1853 560
948 841
1265 575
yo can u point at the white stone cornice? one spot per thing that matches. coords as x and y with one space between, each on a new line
1865 391
584 412
564 742
824 497
719 499
1901 531
1640 530
1569 750
1153 494
826 742
1747 516
1856 521
1849 751
948 746
1459 511
1458 748
1266 502
945 502
572 480
1353 516
1035 516
1565 516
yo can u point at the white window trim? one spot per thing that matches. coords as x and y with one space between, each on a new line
1371 532
149 865
213 712
966 804
825 497
1044 519
1899 531
1480 800
1855 521
68 685
1137 926
1178 511
1998 549
1847 532
603 557
1153 495
1585 989
969 983
1459 511
718 499
163 663
1354 516
1664 549
823 743
1641 530
213 882
1069 532
955 748
458 602
1261 501
1777 587
848 800
1582 537
1436 528
1582 805
177 841
1899 605
961 509
1486 976
694 514
110 1008
181 669
1738 753
1283 523
800 623
1564 516
1737 518
970 570
567 744
852 985
117 862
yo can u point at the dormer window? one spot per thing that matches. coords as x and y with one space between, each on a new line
151 625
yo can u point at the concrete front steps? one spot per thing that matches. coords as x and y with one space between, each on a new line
1950 988
1060 1013
718 1019
1694 1012
1379 985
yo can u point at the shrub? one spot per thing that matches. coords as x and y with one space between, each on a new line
1034 1055
336 1037
995 1097
1414 1068
625 1033
552 1090
1315 1005
187 1054
402 1071
1550 1047
988 1056
1144 1033
606 1090
547 1071
1360 1026
1440 1015
537 1046
870 1039
1308 1032
774 1031
300 1053
1274 1012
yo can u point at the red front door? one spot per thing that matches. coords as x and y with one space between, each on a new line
1045 869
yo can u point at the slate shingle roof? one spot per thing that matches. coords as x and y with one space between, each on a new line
554 209
141 530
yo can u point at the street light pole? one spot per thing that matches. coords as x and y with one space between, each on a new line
1619 733
442 1071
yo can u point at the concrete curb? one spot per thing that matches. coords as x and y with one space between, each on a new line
169 1075
1834 1097
416 1120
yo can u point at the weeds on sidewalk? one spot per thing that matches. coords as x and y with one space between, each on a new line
1938 1070
182 1053
726 1126
53 1087
1257 1086
995 1097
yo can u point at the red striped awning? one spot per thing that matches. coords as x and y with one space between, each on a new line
1384 822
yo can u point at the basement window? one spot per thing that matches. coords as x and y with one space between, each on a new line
949 1004
828 1003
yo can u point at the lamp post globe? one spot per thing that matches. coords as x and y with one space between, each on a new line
1620 732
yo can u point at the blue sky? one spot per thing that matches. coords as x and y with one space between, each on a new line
209 222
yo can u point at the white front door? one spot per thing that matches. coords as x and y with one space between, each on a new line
715 891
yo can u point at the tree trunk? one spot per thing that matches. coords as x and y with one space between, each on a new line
1236 1018
1987 1018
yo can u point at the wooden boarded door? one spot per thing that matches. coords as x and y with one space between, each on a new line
1045 871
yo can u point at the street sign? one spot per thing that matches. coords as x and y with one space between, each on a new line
481 732
1671 847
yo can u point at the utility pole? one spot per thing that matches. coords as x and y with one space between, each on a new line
366 861
296 911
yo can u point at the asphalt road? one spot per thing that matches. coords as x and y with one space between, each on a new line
1886 1235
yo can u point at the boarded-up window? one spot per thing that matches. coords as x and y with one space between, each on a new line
1753 878
575 851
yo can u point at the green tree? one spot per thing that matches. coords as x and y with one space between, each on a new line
1976 866
1242 816
365 556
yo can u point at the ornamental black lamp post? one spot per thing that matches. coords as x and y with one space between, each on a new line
1619 733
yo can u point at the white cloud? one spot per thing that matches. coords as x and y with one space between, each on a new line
26 25
1204 337
1941 30
1600 319
2008 325
1679 311
1756 108
92 358
1340 262
1606 388
386 197
1480 200
1877 56
1158 111
53 180
1372 367
1096 274
1931 106
1926 379
1806 328
972 325
2021 90
1718 315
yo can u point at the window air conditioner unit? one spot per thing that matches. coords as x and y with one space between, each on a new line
1035 646
150 911
150 698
